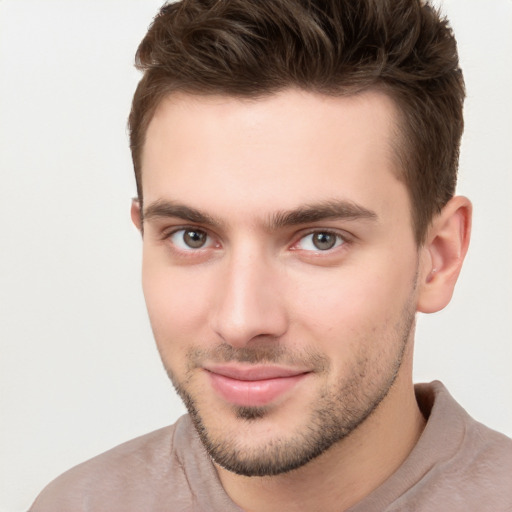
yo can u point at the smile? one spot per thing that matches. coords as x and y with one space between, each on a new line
254 386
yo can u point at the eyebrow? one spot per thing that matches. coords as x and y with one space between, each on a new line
164 209
325 210
309 213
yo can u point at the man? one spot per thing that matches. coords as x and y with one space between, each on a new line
296 167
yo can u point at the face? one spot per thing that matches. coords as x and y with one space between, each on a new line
279 268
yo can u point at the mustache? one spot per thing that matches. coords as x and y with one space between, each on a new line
263 353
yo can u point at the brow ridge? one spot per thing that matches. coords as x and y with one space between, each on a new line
309 213
325 210
164 208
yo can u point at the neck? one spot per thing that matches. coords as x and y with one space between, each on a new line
348 471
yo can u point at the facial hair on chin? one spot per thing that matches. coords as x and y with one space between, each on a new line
337 412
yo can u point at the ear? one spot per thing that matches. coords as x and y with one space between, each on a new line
136 214
443 253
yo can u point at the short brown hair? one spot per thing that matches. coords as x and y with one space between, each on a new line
254 48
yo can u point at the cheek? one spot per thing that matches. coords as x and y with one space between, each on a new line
354 306
176 307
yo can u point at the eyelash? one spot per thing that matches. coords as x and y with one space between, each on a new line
341 240
192 229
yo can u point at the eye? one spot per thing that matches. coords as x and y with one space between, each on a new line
189 239
320 241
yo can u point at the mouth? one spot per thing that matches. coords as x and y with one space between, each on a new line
253 386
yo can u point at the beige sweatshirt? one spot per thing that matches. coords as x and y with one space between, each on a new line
458 465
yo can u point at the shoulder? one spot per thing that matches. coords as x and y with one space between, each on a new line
123 473
458 464
477 477
484 463
452 428
473 463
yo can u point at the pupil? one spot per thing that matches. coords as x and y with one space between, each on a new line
324 241
194 239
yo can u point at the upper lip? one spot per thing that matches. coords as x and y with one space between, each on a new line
259 372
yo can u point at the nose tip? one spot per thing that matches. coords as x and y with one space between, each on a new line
240 330
249 306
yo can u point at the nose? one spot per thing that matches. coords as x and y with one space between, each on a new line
248 302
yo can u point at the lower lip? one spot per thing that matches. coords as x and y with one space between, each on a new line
253 393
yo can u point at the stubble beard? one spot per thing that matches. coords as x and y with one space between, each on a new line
337 412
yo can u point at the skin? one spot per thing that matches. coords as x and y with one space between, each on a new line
256 291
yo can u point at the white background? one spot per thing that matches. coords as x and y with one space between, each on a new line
78 369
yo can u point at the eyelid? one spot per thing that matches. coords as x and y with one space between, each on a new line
213 242
169 233
342 236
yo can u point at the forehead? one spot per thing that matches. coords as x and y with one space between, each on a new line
270 153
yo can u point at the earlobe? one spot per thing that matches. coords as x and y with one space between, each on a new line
135 212
443 254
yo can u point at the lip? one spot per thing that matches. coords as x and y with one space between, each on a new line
253 386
